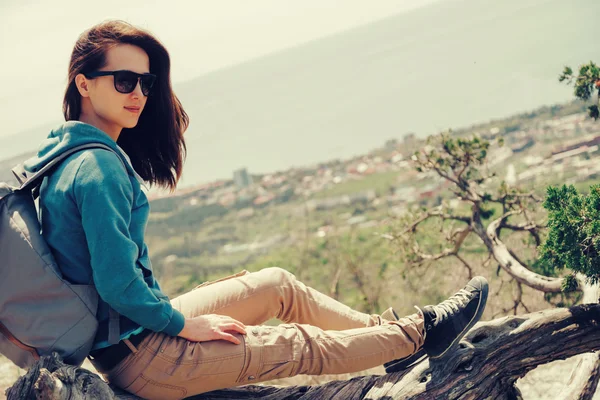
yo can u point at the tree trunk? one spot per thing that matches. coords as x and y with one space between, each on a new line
486 364
584 378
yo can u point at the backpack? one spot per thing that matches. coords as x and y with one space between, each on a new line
41 312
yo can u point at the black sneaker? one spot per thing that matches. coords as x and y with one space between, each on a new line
404 363
401 364
448 322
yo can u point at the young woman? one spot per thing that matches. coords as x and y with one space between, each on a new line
94 216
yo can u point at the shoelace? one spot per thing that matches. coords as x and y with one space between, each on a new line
450 306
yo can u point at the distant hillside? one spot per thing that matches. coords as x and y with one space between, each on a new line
6 166
450 64
26 141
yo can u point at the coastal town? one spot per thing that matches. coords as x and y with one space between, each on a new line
562 148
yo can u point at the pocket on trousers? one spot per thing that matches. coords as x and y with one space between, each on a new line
241 273
116 373
149 389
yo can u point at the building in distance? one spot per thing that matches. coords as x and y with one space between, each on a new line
242 178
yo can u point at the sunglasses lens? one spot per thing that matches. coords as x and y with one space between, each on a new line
147 82
125 82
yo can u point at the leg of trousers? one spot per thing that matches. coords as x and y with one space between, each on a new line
319 336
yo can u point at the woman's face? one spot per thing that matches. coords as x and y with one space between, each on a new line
102 105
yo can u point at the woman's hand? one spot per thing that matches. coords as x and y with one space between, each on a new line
211 327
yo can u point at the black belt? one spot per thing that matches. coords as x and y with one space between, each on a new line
107 358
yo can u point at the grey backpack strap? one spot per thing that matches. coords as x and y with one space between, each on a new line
20 173
35 180
114 331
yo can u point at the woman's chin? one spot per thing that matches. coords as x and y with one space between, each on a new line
130 124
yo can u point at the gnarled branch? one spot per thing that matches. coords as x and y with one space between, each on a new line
511 264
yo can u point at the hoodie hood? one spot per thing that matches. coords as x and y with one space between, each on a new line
71 134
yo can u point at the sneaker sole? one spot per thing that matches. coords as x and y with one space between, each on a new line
406 363
480 308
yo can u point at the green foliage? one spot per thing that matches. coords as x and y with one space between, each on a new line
565 298
486 213
456 157
574 231
164 205
542 267
586 83
380 183
187 219
569 283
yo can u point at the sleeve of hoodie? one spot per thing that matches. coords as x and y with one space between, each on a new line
104 196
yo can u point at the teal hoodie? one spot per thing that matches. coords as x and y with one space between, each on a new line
93 217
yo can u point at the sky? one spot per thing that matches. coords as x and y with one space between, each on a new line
37 37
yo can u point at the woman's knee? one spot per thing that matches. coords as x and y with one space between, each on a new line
278 276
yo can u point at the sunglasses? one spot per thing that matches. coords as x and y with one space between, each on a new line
125 81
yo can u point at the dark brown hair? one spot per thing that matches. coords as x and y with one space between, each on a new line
155 145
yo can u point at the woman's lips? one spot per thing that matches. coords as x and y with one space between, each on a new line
133 109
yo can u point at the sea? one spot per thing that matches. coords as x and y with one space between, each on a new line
447 65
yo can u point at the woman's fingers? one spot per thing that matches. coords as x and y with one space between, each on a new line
229 338
243 329
228 322
234 327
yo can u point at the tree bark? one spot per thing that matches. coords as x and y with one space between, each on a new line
486 364
583 381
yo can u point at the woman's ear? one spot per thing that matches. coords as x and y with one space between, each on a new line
82 85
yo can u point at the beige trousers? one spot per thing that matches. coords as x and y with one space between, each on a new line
319 336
